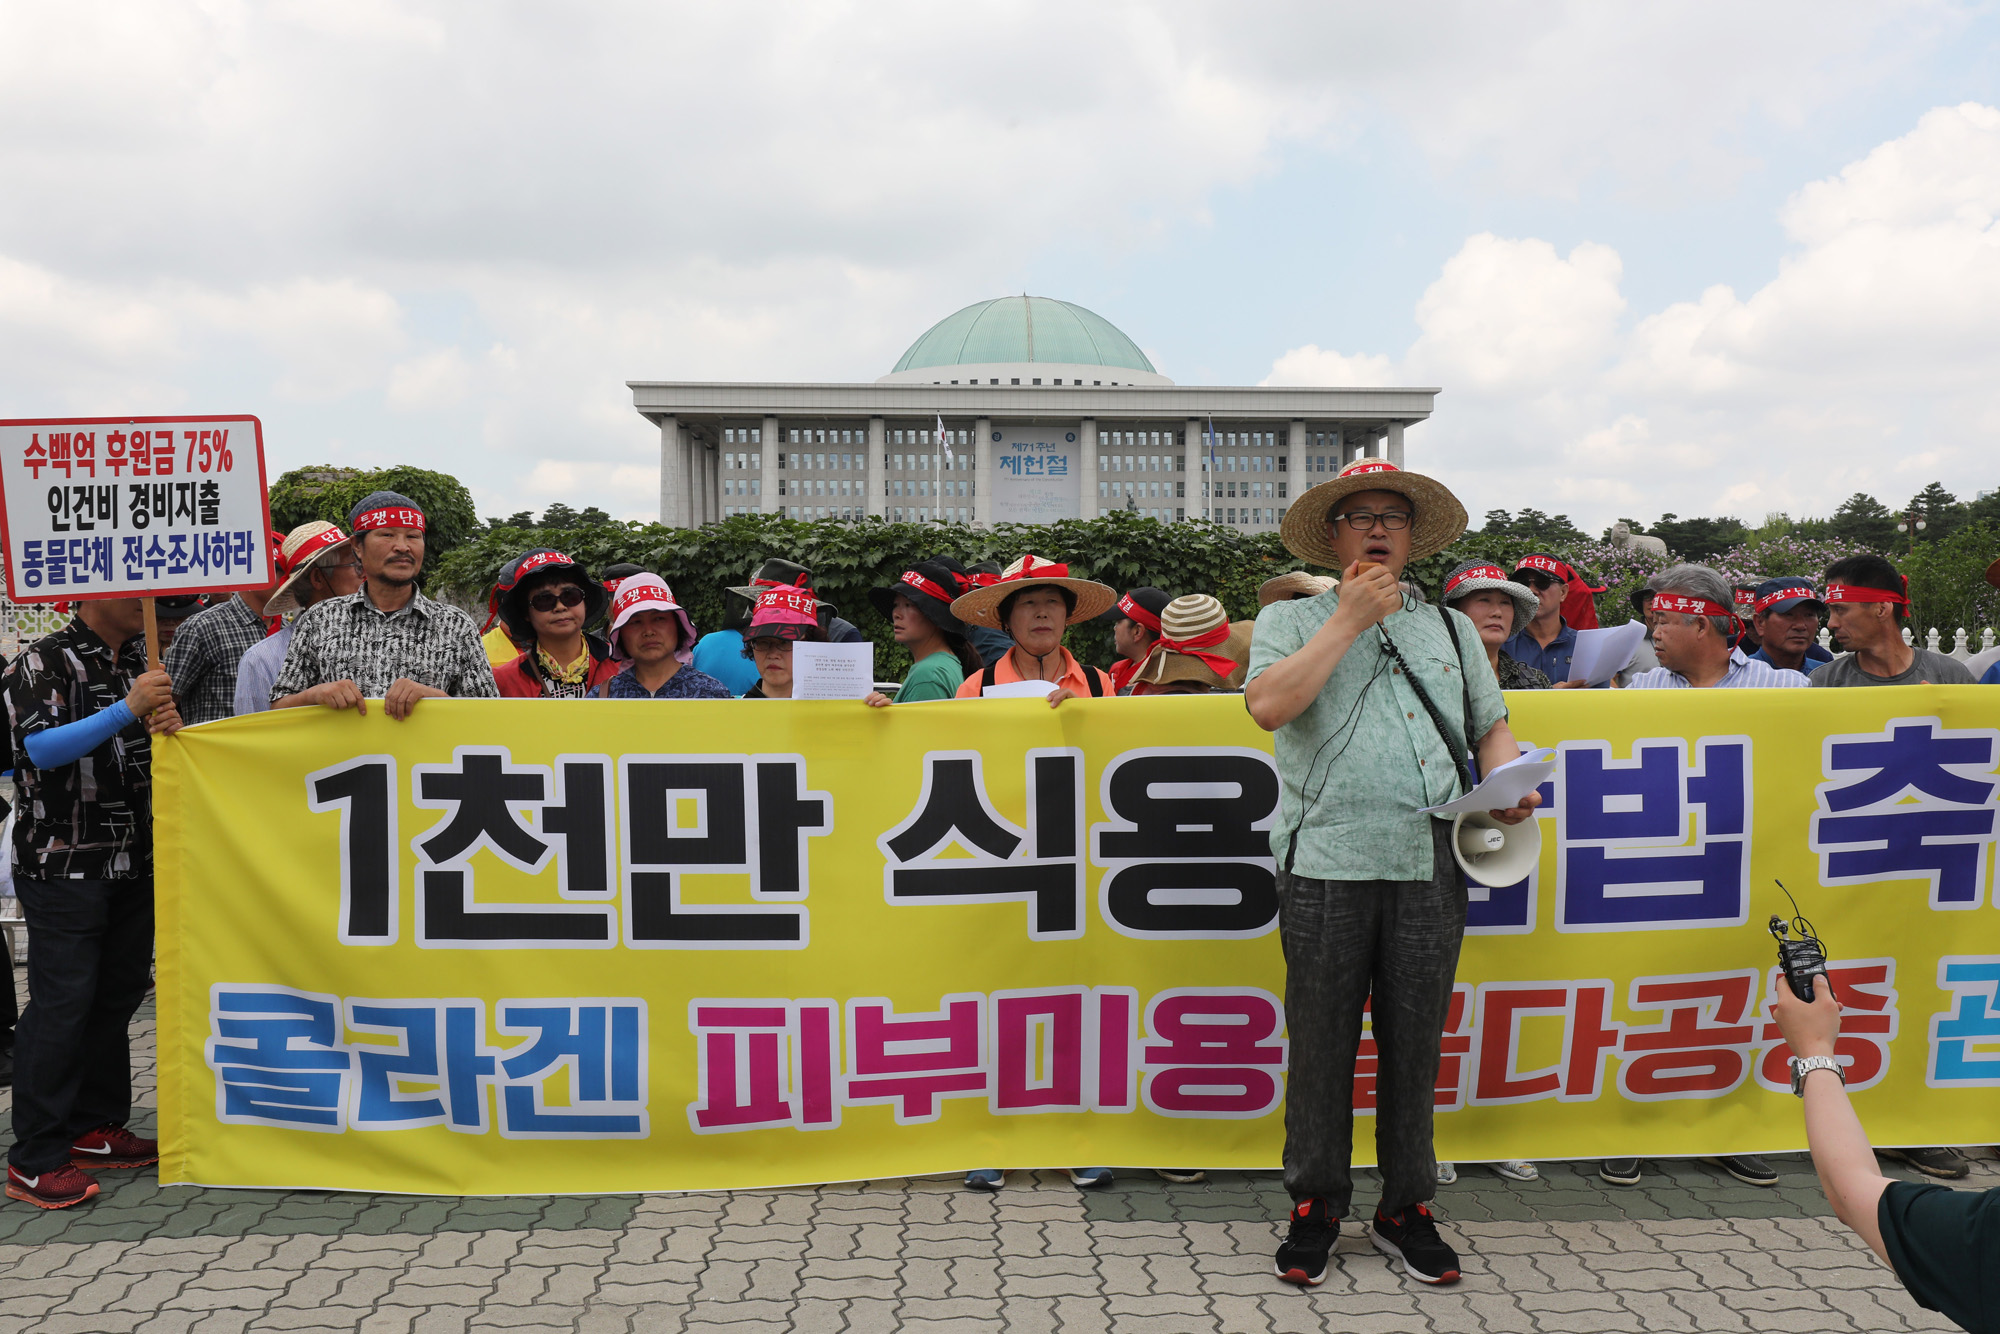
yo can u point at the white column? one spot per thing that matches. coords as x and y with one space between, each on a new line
673 481
1086 473
982 470
767 467
1197 503
878 440
1295 459
1396 443
705 469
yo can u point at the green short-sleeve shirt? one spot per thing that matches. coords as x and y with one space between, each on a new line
1362 760
936 677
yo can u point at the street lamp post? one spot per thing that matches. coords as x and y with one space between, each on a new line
1911 523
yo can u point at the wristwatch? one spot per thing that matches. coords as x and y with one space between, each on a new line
1805 1065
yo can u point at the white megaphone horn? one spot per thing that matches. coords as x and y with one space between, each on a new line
1493 853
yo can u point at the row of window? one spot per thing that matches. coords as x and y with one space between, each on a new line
898 514
961 462
742 435
1153 490
742 486
1248 490
840 486
1141 463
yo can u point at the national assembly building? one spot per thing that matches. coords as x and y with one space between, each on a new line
1021 409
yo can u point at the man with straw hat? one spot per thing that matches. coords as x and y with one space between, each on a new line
1034 601
1198 650
317 562
1377 703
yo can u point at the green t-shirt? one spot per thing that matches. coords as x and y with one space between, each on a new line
1363 759
1945 1246
936 677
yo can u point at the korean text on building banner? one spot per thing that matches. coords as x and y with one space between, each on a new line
99 507
512 946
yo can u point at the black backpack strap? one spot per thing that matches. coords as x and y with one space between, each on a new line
990 676
1096 679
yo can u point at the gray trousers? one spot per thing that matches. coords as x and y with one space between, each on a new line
1344 939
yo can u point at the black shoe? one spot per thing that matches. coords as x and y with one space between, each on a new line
1750 1171
1302 1259
1620 1171
1949 1164
1411 1236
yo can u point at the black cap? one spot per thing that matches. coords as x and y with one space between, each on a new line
1152 599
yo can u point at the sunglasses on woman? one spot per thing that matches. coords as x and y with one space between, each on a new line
546 600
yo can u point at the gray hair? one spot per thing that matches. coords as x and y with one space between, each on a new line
1702 582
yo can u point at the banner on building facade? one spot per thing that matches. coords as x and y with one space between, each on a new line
1036 477
102 507
516 947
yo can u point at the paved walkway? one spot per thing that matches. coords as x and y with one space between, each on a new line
1690 1249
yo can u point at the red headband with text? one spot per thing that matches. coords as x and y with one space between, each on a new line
799 601
1691 606
395 517
1134 612
1368 466
536 562
1795 591
1034 569
923 585
1548 565
1476 572
310 548
647 592
1855 593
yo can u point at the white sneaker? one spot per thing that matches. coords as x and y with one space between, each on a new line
1447 1173
1517 1169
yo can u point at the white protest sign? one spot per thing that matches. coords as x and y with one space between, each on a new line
832 671
104 507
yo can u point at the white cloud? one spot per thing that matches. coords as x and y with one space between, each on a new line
1865 364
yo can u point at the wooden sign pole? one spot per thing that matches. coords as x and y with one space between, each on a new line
152 615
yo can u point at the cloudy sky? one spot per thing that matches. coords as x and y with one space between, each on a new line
1694 257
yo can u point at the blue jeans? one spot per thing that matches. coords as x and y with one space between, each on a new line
90 950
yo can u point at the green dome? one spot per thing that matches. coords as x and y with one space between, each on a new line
1024 329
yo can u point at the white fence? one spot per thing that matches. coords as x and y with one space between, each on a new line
24 623
1961 643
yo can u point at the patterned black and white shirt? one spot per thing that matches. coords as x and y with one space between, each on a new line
204 656
91 820
351 639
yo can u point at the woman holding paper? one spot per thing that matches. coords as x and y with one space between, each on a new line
1035 601
653 636
784 616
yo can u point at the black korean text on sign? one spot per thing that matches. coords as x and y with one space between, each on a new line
1187 850
719 815
1041 865
363 791
510 810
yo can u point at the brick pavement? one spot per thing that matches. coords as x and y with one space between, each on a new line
1690 1249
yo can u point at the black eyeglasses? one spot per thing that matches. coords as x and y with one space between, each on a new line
547 599
1363 520
1539 581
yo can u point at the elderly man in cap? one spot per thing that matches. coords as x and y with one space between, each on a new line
1135 627
1548 642
1786 615
387 641
209 646
1378 704
317 562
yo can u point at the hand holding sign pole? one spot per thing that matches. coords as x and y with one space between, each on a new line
111 507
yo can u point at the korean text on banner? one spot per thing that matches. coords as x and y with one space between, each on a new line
508 947
99 507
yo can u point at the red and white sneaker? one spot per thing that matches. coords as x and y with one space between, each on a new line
113 1146
56 1188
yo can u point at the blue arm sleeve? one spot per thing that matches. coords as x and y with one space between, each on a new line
53 747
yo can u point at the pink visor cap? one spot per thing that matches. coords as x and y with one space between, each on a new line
648 592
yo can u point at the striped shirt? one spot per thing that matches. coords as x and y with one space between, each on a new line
351 639
204 657
1743 674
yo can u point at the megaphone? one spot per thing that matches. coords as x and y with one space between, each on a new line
1493 853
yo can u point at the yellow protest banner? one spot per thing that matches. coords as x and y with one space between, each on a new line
523 947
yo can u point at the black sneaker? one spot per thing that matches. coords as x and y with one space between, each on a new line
1620 1171
1412 1237
1747 1169
1949 1164
1302 1259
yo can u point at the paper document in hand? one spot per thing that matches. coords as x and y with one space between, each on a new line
832 671
1503 788
1602 654
1020 690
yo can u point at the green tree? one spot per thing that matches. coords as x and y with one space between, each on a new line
1940 510
1864 519
1948 588
1985 509
518 519
321 492
1699 540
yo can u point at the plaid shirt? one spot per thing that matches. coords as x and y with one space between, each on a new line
351 639
204 656
91 820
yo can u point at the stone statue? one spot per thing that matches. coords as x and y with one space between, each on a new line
1623 536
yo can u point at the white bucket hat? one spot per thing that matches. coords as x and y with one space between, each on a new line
648 592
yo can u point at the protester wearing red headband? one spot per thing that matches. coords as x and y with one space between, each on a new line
545 598
721 654
918 609
1694 629
652 634
1135 627
1199 651
1785 615
388 641
317 561
1035 601
1548 641
1867 603
208 648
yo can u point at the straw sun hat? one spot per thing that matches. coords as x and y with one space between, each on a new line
1294 584
303 548
981 606
1439 520
1198 643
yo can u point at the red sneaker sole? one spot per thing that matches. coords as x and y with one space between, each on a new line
14 1192
1303 1279
100 1164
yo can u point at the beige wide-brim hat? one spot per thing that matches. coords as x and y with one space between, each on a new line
982 605
1483 576
1294 584
304 547
1440 519
1174 658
